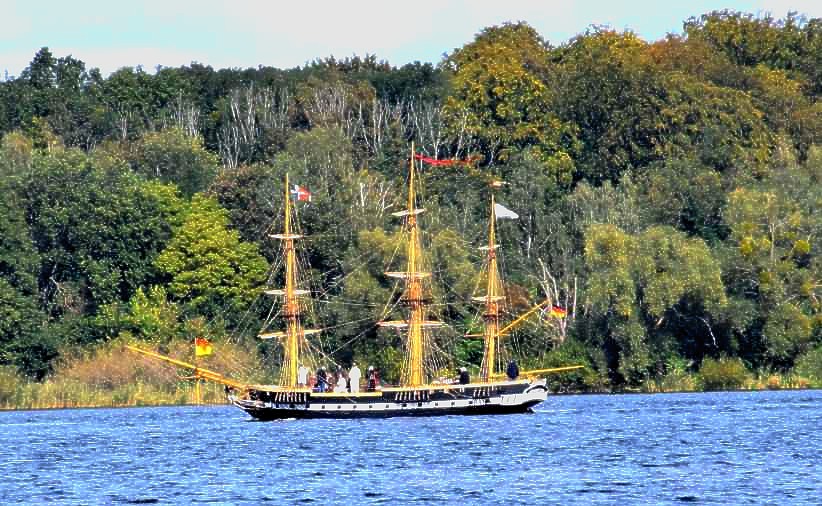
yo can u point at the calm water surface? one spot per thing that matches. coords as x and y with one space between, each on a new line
723 448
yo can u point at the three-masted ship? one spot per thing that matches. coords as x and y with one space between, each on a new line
419 393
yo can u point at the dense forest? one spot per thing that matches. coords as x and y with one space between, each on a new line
669 196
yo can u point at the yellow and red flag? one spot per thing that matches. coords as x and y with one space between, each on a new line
558 312
202 347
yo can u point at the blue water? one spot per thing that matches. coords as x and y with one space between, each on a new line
723 448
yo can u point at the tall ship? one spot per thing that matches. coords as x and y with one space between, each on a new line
421 391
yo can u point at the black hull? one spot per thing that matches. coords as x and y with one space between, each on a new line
478 399
282 414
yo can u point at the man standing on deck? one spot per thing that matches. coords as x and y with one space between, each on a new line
322 379
513 370
302 376
372 378
354 378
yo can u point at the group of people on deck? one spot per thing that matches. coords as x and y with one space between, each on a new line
339 381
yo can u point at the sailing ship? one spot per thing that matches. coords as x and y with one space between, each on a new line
419 393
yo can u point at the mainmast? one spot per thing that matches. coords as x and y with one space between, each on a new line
294 335
492 300
413 295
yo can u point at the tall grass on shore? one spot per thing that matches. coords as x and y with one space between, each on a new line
113 376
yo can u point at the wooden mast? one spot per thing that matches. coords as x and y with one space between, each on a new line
492 301
294 334
413 296
291 306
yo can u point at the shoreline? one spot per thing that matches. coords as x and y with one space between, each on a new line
220 404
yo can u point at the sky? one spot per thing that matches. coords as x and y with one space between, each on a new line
249 33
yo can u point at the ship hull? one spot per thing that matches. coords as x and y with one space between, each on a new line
473 399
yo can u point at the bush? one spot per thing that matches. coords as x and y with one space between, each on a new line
9 386
571 352
677 378
723 374
809 366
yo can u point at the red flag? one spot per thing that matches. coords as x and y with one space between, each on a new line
445 162
301 194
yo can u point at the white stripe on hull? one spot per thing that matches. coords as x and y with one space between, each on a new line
318 408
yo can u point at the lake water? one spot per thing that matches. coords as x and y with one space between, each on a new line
721 448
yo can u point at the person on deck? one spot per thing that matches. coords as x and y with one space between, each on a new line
371 376
322 380
513 370
354 376
464 378
342 385
302 376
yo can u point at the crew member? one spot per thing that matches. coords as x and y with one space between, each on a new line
372 378
342 384
513 370
322 379
302 376
354 376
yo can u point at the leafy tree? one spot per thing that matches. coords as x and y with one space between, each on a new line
17 150
174 157
607 88
637 283
149 315
21 341
209 270
128 99
500 99
19 261
250 194
97 231
791 43
687 195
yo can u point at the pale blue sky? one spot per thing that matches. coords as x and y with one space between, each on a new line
246 33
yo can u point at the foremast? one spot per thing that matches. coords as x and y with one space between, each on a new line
293 338
492 300
413 294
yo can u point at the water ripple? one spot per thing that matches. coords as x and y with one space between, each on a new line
725 448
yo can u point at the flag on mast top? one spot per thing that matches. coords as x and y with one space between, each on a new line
300 194
503 212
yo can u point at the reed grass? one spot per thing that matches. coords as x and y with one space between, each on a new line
111 376
114 377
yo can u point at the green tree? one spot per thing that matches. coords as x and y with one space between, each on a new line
647 289
21 341
210 271
174 157
500 99
97 231
149 315
687 195
791 43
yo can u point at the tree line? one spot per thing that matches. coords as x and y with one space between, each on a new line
669 195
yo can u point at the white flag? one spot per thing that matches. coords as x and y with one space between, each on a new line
504 212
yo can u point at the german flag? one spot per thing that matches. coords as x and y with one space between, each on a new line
558 312
202 347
